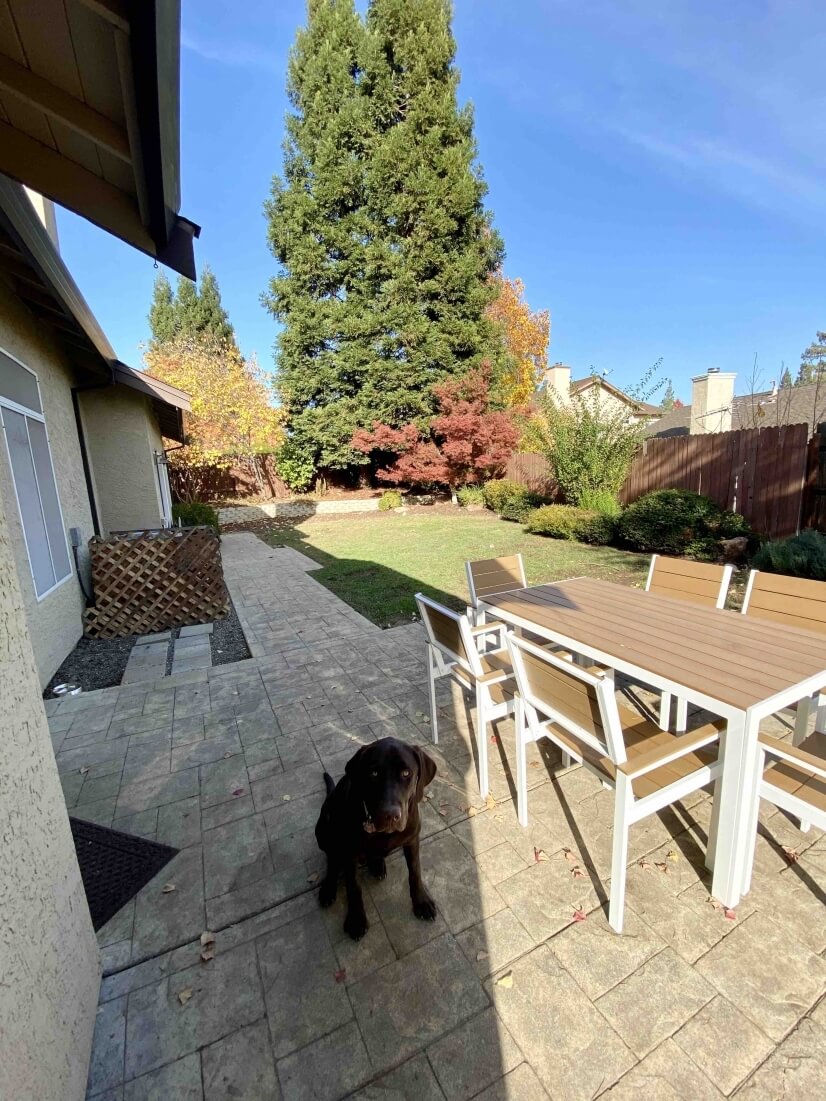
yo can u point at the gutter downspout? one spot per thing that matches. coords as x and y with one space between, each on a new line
84 451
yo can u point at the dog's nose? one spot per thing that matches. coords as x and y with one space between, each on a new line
391 817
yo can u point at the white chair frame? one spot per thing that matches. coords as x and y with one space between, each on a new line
536 718
665 700
788 801
467 670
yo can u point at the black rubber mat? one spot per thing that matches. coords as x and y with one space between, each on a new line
114 866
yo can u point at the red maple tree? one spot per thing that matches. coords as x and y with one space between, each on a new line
466 441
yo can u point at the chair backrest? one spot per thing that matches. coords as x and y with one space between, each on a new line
581 703
450 633
795 601
494 575
697 582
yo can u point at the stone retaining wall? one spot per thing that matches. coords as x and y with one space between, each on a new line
295 509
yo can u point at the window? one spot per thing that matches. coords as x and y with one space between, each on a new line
32 472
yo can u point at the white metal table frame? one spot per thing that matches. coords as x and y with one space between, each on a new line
739 782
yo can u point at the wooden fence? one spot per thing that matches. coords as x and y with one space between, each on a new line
532 471
766 474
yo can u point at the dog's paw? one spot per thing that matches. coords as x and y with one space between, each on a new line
377 868
327 894
356 924
424 908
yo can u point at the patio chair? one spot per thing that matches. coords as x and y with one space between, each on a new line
647 767
696 582
452 652
795 602
492 575
793 777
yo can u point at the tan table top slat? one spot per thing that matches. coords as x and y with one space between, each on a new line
738 660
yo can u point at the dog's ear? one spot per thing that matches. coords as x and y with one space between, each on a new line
427 771
355 766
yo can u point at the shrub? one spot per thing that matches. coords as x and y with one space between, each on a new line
570 522
602 501
679 521
518 505
496 493
295 467
803 555
194 514
470 495
391 498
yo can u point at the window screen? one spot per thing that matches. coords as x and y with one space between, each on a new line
34 481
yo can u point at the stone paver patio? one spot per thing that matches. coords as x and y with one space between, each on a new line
506 995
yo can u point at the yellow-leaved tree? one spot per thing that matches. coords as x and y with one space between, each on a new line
232 418
525 336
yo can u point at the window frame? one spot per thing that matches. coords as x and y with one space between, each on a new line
15 407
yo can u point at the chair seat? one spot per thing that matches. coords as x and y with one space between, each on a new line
642 736
794 778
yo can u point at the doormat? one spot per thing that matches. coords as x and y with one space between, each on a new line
114 866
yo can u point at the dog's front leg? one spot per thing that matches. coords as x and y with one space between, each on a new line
423 905
329 885
355 924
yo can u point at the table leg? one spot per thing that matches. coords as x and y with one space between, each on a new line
736 789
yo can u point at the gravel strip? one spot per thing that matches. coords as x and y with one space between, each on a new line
94 663
227 638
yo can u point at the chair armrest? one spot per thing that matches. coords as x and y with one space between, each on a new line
664 754
794 754
486 628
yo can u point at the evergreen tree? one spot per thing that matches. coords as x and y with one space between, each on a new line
189 311
377 224
669 399
436 246
812 362
786 379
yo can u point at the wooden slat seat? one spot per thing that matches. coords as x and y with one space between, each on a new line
797 777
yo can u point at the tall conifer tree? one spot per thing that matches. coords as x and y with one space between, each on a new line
191 311
378 225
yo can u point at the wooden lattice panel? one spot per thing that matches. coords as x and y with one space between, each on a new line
149 581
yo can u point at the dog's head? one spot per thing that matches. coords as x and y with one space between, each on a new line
389 777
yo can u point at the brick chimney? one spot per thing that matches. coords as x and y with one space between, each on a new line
558 381
711 398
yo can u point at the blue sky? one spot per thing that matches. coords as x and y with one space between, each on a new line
657 169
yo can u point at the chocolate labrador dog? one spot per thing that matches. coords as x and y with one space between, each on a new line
373 810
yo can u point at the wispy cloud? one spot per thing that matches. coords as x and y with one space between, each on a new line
227 52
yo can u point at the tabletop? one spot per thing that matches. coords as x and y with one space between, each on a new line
738 660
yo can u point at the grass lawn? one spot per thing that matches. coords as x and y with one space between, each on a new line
376 562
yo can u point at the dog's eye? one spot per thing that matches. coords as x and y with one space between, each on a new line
374 773
405 773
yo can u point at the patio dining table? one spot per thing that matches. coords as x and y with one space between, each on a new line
738 667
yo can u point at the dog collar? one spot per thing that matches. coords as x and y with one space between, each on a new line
368 821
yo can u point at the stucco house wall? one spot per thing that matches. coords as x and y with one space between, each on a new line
121 437
55 621
50 961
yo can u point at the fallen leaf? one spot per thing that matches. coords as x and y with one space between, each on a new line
534 764
506 980
84 770
207 938
286 798
580 915
539 855
207 954
644 864
185 995
443 810
791 855
570 856
577 872
494 737
730 914
425 721
312 877
490 801
340 975
663 867
481 955
237 792
673 856
499 818
227 756
472 812
714 903
168 888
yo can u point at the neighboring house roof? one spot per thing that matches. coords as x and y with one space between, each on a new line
38 276
91 120
789 405
643 408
